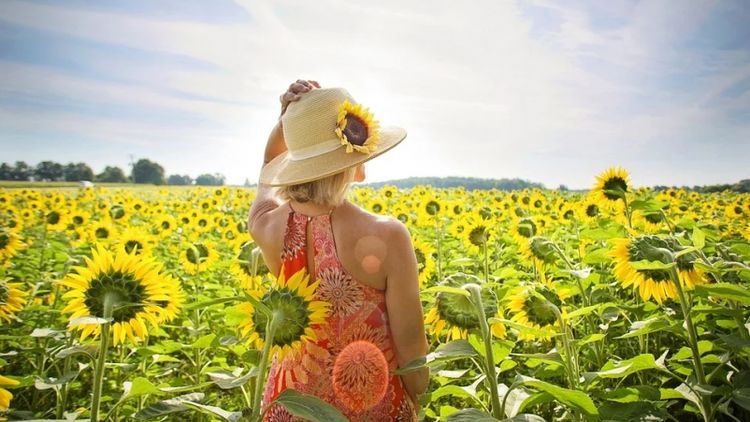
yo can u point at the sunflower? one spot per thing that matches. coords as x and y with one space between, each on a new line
425 261
651 221
135 240
10 244
12 299
198 256
55 220
652 283
734 210
134 284
165 225
102 231
611 186
5 395
377 206
293 301
532 306
78 218
477 235
357 128
456 314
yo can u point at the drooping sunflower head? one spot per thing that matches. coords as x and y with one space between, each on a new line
357 128
198 256
134 286
535 306
611 185
12 299
456 314
653 283
294 309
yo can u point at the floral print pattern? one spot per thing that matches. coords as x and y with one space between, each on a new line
358 312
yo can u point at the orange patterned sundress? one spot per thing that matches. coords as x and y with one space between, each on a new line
357 312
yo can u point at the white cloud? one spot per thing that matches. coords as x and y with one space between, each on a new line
479 94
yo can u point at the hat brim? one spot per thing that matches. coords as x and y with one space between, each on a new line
282 171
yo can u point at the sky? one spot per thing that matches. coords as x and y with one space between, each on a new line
549 91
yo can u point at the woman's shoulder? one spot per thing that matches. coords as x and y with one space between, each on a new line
390 229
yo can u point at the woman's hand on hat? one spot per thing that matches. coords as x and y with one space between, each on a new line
295 91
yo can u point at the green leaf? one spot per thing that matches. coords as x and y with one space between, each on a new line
207 303
591 338
215 411
586 310
165 407
204 341
45 332
729 291
139 387
622 369
446 289
632 412
309 407
741 396
633 394
456 349
698 238
571 398
651 325
89 350
227 380
470 415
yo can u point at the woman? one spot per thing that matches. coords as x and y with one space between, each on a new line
365 263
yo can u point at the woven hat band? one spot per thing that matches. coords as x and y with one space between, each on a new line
314 150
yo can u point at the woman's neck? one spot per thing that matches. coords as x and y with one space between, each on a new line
311 208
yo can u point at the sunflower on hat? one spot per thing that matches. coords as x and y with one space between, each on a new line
357 128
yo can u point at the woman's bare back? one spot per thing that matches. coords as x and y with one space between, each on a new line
362 240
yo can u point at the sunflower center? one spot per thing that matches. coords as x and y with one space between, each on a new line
420 258
53 217
615 183
568 215
4 239
478 235
539 311
127 289
101 233
646 248
295 316
78 220
432 207
165 225
117 212
132 244
197 254
654 218
355 130
592 210
526 228
377 208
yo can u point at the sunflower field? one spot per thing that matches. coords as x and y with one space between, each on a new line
154 303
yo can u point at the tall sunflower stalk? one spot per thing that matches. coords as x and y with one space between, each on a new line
476 298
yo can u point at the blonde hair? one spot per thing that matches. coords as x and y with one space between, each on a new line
329 191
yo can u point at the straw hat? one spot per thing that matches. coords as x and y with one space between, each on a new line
326 132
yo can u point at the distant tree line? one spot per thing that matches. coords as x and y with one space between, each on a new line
470 183
143 171
743 186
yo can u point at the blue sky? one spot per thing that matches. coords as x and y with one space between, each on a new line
553 92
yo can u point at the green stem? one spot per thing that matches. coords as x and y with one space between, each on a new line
476 296
570 359
64 392
693 343
439 249
109 301
627 210
486 264
261 377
